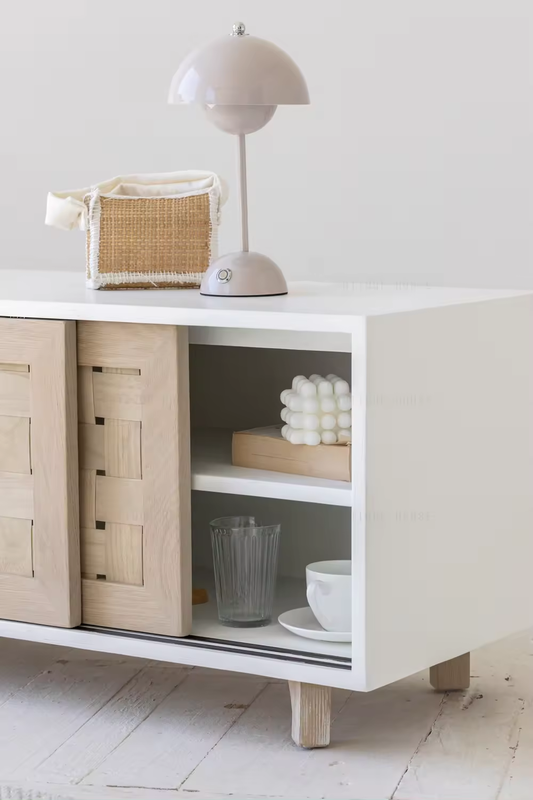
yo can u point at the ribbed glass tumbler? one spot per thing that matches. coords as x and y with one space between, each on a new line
245 556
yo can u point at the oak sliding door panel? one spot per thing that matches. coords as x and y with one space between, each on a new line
133 410
39 524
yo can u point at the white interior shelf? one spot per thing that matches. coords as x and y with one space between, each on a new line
212 471
290 593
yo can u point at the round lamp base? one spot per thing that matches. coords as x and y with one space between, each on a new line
243 275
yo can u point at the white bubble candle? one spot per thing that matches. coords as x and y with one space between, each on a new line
317 410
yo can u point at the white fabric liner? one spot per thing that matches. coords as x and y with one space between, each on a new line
68 211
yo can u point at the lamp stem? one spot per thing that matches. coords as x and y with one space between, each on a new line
243 192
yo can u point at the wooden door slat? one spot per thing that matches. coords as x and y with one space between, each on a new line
123 553
91 442
117 396
16 547
15 445
15 394
16 495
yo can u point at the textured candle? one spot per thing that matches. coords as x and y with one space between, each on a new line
345 419
344 402
311 405
328 422
342 387
324 388
307 389
317 410
297 420
312 438
295 402
328 405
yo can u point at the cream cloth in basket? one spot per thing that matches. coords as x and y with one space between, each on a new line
66 210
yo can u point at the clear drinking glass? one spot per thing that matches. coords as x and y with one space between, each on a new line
245 556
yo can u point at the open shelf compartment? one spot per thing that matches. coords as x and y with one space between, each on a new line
309 533
238 388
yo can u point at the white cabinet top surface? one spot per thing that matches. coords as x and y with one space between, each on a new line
310 306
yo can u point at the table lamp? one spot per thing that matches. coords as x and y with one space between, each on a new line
240 80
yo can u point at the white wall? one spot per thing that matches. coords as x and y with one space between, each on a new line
413 163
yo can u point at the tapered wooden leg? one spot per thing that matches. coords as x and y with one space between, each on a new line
451 675
311 714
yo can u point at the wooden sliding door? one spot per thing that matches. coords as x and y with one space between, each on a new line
39 530
133 407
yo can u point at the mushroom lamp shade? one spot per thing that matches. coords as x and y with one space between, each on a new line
240 80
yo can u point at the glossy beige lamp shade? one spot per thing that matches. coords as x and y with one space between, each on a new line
240 80
239 70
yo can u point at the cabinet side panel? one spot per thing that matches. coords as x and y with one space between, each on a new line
358 510
449 475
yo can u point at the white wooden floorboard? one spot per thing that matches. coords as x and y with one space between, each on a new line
22 661
474 745
373 736
55 791
518 783
86 726
51 791
36 720
177 736
102 733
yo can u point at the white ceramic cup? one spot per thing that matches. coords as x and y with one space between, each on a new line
329 594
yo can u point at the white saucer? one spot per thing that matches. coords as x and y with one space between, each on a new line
302 622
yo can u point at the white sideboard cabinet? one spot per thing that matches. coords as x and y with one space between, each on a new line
132 396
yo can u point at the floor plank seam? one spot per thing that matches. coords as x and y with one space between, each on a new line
107 755
192 792
342 707
421 743
513 747
237 719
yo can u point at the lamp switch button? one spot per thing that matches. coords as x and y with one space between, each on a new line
224 275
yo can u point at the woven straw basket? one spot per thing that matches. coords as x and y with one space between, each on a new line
145 231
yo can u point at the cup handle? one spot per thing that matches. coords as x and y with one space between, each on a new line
314 590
